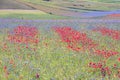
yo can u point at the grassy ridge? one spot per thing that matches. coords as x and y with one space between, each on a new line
28 14
86 6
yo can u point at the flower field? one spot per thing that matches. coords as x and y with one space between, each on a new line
59 49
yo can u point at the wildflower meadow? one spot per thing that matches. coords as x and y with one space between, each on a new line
59 50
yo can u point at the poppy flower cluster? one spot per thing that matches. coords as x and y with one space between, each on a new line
113 15
69 35
73 37
106 53
115 34
119 59
105 70
23 34
95 65
6 71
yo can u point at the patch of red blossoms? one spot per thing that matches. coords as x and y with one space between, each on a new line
23 34
6 71
117 15
95 65
119 59
73 37
106 53
105 70
115 34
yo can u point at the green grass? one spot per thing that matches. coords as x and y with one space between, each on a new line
29 15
